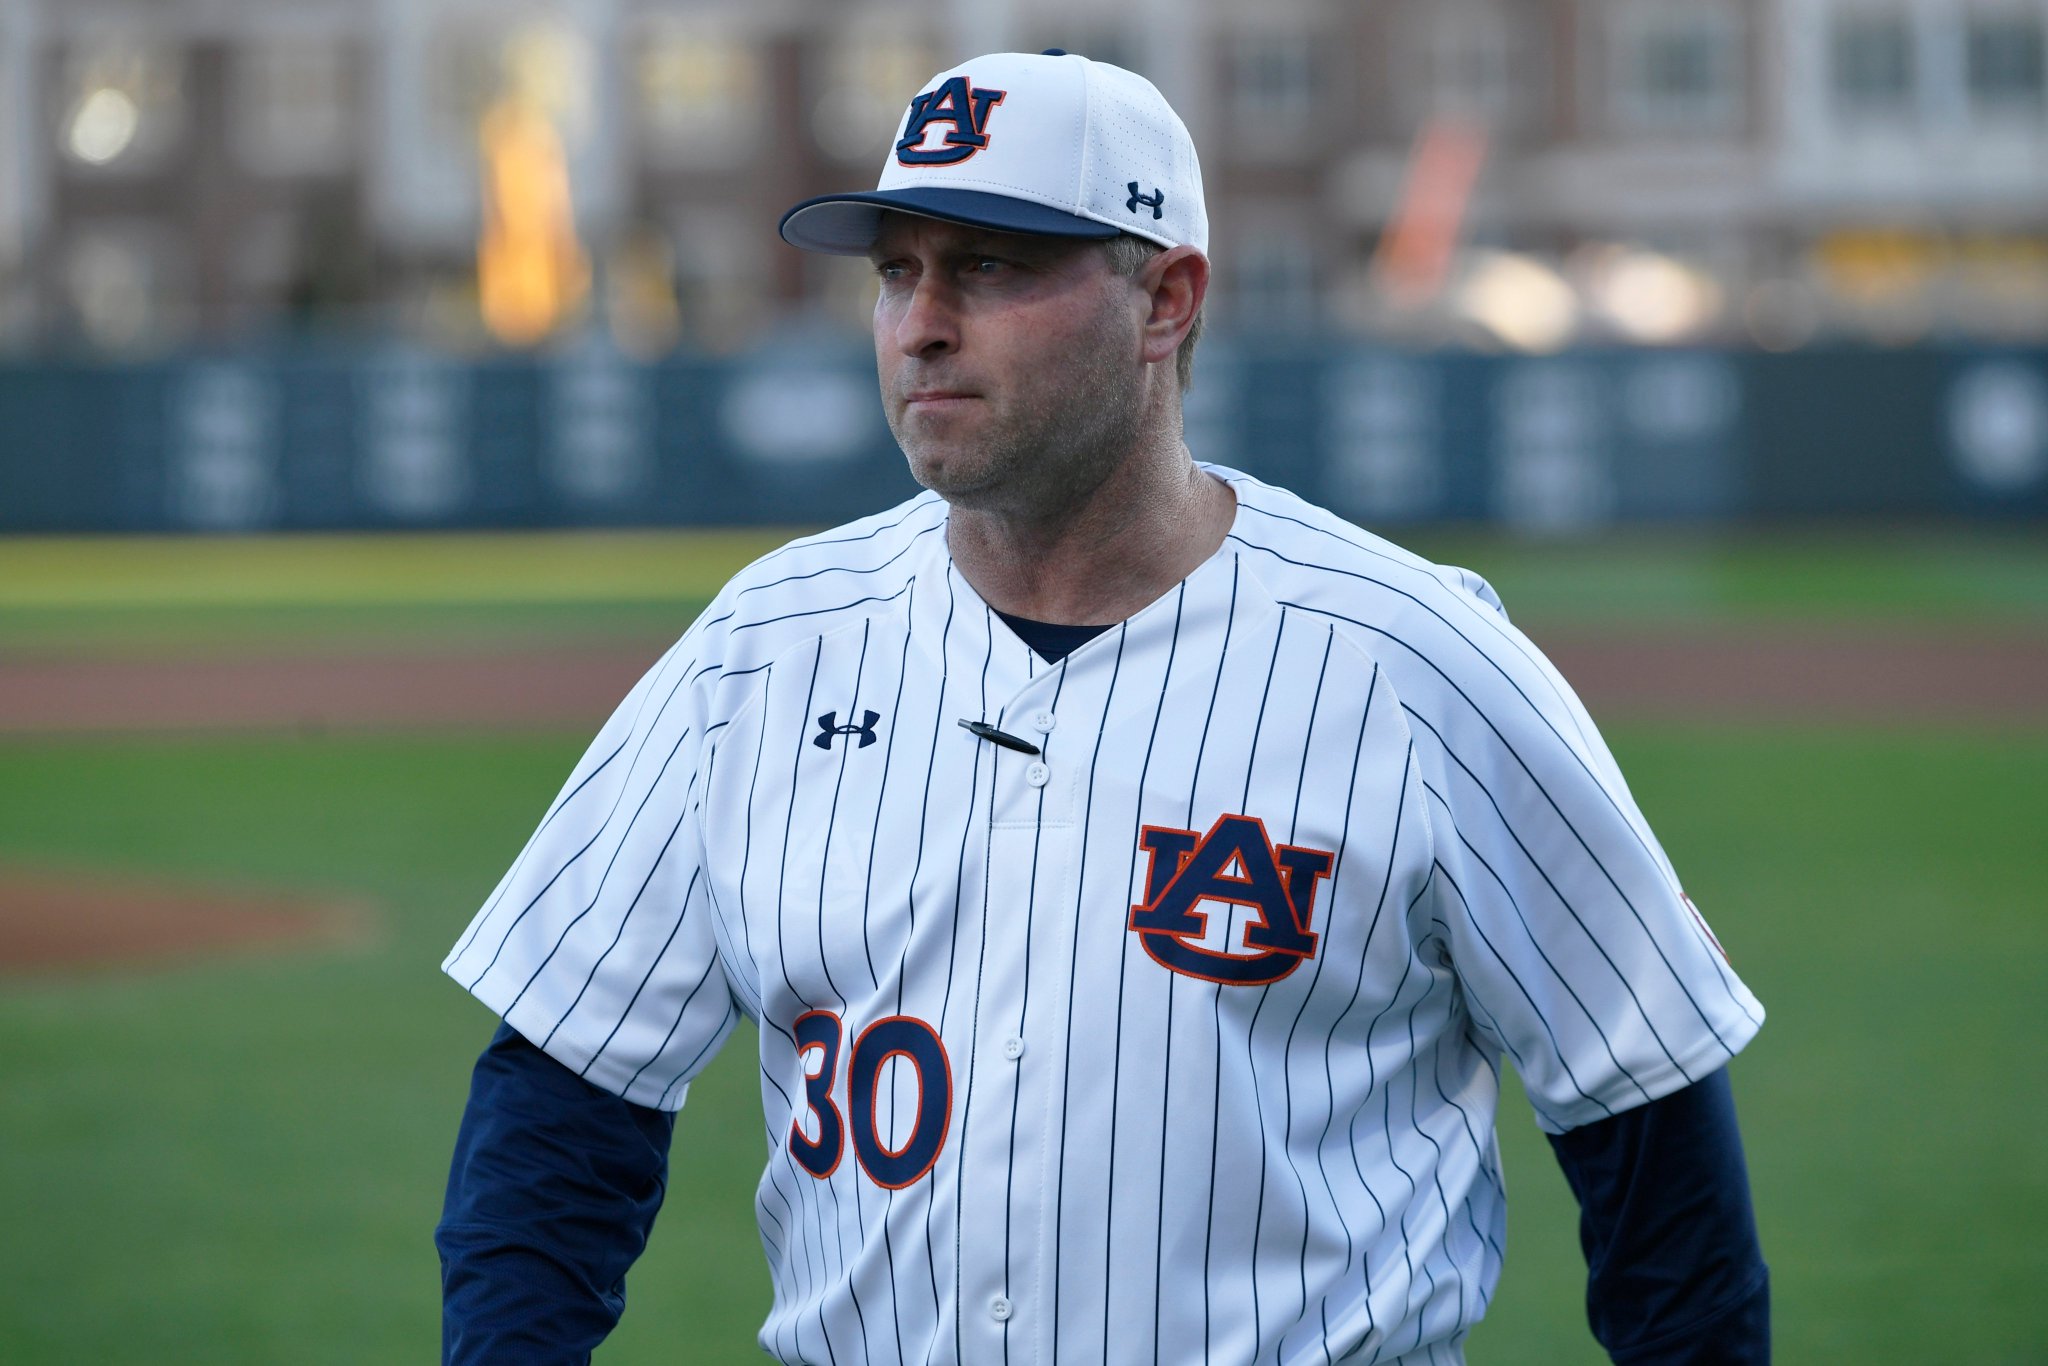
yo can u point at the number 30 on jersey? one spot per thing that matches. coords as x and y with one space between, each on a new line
818 1035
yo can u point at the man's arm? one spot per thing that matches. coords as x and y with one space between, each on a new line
1675 1275
554 1187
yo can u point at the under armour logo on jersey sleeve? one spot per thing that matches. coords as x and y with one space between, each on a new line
1191 877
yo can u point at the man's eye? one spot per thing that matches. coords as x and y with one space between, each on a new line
988 265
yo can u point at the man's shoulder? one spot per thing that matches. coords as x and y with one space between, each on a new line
1310 557
851 547
846 569
1438 632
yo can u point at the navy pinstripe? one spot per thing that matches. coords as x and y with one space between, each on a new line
1073 979
1116 1075
1166 1090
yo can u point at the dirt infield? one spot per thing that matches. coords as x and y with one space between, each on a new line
62 923
1786 674
1808 674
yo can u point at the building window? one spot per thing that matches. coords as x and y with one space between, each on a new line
697 96
1273 79
292 108
122 106
1098 38
722 275
543 66
1273 284
1872 64
1464 67
867 83
465 75
1679 69
2005 63
125 285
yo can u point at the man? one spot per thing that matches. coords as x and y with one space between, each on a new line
1136 873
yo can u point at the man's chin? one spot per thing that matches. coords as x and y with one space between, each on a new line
953 474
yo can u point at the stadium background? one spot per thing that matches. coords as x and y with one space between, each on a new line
383 386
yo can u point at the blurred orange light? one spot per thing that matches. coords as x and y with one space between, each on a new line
532 273
1879 264
1414 258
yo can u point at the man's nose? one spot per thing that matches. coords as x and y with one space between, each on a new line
929 324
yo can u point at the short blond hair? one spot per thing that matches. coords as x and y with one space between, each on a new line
1127 255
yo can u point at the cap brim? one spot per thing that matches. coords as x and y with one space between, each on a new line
846 224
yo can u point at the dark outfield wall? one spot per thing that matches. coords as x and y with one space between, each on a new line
307 439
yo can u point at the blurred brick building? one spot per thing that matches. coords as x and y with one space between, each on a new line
1554 171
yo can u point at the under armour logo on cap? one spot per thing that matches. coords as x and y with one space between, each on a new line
1156 201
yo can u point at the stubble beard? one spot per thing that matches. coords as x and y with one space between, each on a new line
1045 450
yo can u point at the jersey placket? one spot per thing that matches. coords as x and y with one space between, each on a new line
1028 832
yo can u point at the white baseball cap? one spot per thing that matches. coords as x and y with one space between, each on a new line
1050 143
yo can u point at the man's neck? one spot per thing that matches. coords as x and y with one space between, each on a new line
1127 542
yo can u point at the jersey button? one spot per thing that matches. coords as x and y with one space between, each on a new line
1041 721
1037 774
1013 1049
1000 1309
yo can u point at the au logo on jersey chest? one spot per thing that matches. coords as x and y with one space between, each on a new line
1190 877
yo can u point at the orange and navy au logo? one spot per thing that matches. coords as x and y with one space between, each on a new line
1191 878
957 102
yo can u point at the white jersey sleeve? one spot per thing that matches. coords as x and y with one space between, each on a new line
599 944
1579 953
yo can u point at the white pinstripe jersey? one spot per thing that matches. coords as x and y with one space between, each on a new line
1176 1042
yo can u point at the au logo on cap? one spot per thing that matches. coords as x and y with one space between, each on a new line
958 102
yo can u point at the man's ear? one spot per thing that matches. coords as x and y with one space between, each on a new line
1176 281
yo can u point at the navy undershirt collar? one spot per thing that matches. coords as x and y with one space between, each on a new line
1048 640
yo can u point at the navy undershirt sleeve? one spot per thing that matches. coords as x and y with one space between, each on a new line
1675 1276
551 1196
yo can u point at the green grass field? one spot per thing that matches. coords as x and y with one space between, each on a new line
241 1161
340 592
